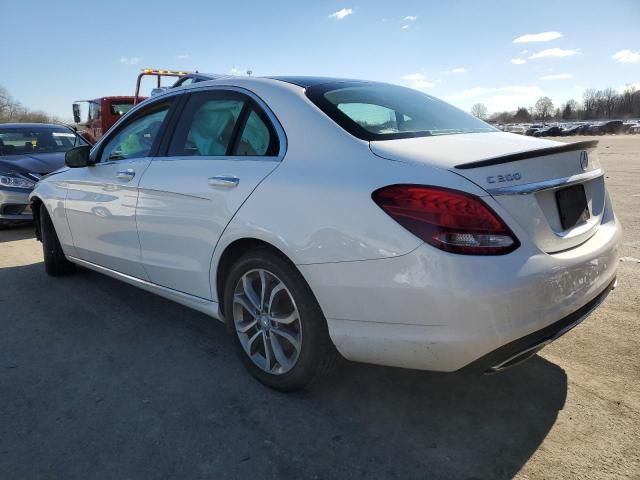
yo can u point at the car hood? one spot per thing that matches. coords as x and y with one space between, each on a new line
40 163
447 151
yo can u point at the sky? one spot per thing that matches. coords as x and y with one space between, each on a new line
504 54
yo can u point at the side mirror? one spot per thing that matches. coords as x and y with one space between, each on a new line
76 113
78 157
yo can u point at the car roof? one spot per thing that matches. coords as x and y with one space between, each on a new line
299 81
33 125
311 81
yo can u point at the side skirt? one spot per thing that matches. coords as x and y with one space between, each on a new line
205 306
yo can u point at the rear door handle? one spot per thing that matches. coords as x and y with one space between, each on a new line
224 181
125 175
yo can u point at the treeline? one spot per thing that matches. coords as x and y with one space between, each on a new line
12 110
595 105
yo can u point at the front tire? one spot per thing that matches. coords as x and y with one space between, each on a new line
55 263
277 325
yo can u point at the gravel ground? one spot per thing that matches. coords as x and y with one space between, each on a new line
101 380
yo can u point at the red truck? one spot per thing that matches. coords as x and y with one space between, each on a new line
103 112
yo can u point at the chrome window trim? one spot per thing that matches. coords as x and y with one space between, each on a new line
528 188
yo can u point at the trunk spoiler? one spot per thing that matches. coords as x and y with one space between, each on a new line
541 152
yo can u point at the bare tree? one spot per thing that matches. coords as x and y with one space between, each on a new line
12 111
522 115
609 99
544 108
479 110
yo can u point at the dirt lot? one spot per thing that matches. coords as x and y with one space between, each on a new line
101 380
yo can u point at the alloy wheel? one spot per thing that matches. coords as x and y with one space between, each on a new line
267 321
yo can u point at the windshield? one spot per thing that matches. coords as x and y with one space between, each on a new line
383 112
29 140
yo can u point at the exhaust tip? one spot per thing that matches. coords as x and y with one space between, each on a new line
517 358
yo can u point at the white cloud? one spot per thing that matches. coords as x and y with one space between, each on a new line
341 14
404 27
130 60
523 52
457 70
182 56
626 56
418 81
538 37
497 98
518 61
557 76
554 52
410 18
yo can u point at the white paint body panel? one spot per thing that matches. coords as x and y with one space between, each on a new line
101 212
178 207
388 297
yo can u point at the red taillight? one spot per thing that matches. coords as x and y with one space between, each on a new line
447 219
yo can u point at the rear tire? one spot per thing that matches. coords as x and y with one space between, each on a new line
55 263
264 328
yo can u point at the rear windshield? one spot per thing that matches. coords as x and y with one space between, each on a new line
27 139
384 112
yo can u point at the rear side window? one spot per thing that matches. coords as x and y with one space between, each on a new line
257 137
223 123
207 125
373 111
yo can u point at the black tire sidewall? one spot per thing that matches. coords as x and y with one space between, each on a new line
54 259
315 338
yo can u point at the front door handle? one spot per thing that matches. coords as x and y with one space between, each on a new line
125 175
224 181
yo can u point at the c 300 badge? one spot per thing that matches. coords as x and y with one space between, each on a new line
507 177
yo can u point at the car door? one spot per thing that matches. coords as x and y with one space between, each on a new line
101 198
224 144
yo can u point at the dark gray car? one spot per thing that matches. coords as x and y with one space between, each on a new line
29 151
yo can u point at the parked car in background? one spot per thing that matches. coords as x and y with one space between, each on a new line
612 126
572 130
551 131
318 214
29 151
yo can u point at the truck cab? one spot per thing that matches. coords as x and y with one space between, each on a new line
99 115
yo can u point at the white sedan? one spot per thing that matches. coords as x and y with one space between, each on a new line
318 215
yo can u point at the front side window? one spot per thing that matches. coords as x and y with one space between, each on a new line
207 125
28 140
381 112
137 137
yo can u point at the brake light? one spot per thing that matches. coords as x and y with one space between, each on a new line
450 220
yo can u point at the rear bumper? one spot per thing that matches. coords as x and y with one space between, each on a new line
523 348
15 206
432 310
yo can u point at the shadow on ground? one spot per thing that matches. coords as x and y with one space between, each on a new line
11 234
99 379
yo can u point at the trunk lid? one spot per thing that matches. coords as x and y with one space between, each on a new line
522 174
